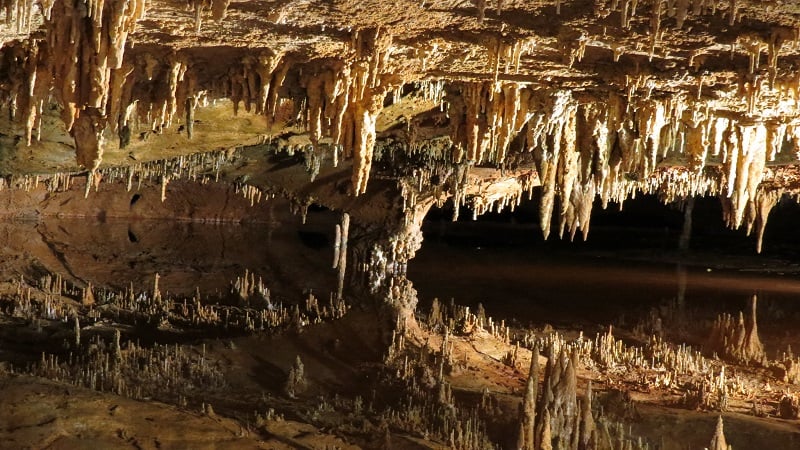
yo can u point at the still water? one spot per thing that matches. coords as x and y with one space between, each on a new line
577 286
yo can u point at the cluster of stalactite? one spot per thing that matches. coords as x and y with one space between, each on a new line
154 90
680 11
85 44
19 14
78 63
200 167
756 212
657 17
82 63
585 145
608 146
650 20
345 98
27 83
151 89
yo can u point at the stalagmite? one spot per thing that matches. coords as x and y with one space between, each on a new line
527 422
718 441
546 439
738 341
296 382
587 427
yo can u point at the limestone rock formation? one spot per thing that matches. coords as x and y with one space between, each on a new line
718 441
296 382
375 113
737 340
527 425
602 102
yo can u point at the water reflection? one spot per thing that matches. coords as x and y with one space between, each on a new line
290 257
581 290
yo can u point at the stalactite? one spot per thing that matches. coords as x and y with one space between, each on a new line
764 202
82 62
219 10
266 65
344 101
504 56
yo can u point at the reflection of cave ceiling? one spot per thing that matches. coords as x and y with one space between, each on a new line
476 102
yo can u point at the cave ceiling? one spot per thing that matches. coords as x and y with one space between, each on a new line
475 102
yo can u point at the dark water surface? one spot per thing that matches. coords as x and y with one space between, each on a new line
289 256
620 276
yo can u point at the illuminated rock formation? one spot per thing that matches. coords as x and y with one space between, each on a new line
527 425
737 340
86 41
379 111
718 441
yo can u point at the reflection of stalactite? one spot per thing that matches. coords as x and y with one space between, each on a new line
340 256
686 231
682 281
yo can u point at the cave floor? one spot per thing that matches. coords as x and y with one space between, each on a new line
349 388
